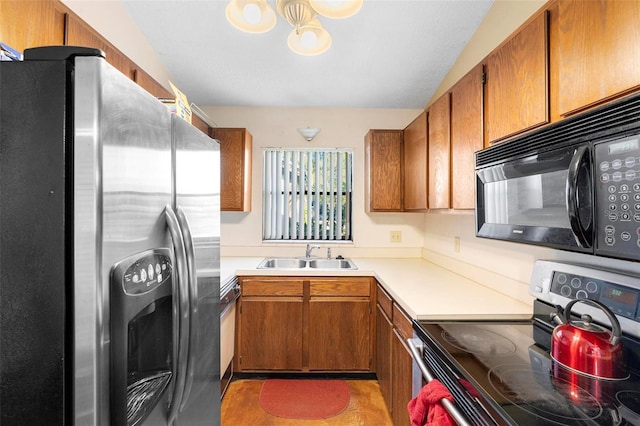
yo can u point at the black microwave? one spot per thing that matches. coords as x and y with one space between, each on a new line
571 190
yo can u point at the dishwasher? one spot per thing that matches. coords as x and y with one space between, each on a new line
229 293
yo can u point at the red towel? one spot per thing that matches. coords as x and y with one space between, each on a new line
426 409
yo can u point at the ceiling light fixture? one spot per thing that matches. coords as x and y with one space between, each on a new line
309 133
308 36
309 40
251 16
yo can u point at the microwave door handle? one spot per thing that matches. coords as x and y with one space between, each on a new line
181 313
573 209
193 298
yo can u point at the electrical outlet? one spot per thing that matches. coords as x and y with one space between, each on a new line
395 236
456 244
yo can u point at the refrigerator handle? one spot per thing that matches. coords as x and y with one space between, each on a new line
193 298
181 313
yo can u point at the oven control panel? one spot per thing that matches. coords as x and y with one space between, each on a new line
558 283
621 300
617 197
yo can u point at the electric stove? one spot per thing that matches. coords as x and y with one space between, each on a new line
501 372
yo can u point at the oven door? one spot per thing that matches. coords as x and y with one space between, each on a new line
416 346
543 199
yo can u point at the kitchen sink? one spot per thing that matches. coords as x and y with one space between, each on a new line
332 264
282 263
302 263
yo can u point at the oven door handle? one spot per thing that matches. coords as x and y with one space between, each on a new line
416 347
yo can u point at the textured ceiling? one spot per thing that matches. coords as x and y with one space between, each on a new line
392 54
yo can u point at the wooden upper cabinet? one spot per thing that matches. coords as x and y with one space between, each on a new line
200 124
383 171
33 23
439 152
598 51
235 168
466 137
516 97
415 164
79 33
149 84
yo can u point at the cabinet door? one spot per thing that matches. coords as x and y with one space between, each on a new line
401 386
339 333
516 86
32 23
466 137
415 164
383 169
235 168
598 51
439 151
384 334
270 333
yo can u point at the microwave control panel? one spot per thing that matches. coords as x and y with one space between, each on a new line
617 201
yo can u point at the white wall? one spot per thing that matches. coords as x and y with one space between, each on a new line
345 128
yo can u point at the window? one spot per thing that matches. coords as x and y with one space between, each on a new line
307 194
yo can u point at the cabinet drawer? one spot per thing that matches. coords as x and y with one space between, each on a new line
340 287
384 300
271 287
402 322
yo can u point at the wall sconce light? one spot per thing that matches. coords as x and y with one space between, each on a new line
309 133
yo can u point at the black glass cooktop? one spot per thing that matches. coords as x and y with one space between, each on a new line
517 382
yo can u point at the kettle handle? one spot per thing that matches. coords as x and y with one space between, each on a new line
616 331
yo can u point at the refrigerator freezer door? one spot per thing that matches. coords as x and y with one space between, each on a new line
197 205
122 182
34 266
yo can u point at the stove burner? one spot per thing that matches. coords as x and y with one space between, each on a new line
477 341
630 405
551 398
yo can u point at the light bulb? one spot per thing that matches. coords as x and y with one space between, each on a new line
336 9
252 13
308 39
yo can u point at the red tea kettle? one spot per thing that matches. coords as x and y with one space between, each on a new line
588 348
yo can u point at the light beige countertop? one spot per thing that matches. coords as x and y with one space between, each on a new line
423 289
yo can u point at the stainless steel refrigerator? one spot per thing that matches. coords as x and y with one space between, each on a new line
109 250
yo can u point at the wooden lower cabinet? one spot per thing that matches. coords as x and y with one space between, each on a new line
400 380
394 363
384 334
339 337
269 330
271 334
301 324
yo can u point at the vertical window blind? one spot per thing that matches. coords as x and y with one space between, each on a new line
307 194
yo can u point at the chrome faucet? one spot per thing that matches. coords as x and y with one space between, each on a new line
307 253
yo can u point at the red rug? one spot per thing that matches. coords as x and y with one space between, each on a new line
307 399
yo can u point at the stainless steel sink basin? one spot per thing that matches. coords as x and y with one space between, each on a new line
302 263
282 263
332 264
